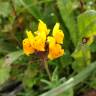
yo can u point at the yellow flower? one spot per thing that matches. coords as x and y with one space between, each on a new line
30 37
28 49
38 40
55 51
58 34
42 27
39 43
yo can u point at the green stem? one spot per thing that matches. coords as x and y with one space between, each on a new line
72 81
47 69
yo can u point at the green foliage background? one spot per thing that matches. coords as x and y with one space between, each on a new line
73 73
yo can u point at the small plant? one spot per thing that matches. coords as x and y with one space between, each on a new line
43 45
56 57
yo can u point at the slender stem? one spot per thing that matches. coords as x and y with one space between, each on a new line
47 69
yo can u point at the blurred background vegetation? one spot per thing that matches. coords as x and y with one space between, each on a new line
23 76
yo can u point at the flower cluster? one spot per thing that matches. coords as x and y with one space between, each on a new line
37 42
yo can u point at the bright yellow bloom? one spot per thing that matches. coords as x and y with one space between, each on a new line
42 27
28 49
38 40
30 37
55 51
39 43
58 34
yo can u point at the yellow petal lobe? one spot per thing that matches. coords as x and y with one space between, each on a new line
30 37
55 51
42 27
39 43
28 49
58 34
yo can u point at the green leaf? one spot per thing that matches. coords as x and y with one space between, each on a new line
30 74
92 80
5 9
67 14
87 28
87 24
67 93
55 82
82 58
72 81
93 47
32 8
5 65
66 60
